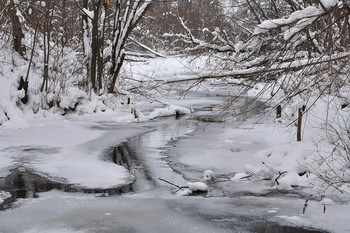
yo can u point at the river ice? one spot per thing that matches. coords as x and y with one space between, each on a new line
156 211
176 149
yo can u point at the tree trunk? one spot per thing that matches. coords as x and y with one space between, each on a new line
116 73
47 47
100 62
64 36
94 49
95 46
300 119
16 29
85 33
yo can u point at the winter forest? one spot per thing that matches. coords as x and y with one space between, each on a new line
174 116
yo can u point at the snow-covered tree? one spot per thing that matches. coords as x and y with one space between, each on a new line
127 15
106 28
302 50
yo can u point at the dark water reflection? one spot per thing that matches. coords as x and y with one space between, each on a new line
130 154
23 183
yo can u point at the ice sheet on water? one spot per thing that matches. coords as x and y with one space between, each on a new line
54 230
148 212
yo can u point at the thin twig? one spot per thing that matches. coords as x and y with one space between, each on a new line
280 174
177 186
248 176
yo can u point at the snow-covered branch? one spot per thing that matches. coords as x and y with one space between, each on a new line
239 73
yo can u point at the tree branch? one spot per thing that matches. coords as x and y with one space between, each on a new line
287 66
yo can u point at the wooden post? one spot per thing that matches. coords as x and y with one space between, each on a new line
279 111
300 118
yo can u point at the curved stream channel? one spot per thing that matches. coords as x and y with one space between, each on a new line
146 156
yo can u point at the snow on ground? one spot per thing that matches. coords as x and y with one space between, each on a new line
9 77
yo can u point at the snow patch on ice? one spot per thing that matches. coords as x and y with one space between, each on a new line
197 186
184 192
170 110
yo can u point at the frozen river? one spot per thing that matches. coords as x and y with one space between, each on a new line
151 205
178 150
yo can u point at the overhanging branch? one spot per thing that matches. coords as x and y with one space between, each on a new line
287 66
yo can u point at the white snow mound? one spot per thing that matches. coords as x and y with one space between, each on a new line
208 175
197 186
237 177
